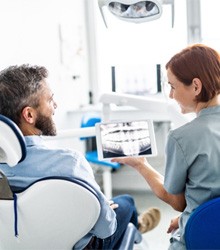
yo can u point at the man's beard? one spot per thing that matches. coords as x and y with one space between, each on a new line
46 125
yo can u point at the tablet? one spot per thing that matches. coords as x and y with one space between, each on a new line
125 138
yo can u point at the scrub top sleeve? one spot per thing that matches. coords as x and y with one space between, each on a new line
176 167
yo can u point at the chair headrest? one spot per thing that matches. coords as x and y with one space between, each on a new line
12 143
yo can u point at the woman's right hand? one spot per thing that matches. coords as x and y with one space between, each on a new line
135 162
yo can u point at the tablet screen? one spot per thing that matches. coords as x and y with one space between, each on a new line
125 138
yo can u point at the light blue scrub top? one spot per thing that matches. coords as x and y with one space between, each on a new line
42 161
193 164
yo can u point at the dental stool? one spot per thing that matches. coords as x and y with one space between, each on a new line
89 120
202 230
52 213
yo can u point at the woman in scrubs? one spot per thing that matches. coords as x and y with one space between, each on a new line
192 169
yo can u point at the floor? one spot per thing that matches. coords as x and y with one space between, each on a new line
157 239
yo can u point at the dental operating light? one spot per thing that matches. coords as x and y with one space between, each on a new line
135 10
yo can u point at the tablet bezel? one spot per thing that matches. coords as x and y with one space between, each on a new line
100 146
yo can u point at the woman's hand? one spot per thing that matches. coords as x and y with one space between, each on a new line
155 180
135 162
174 224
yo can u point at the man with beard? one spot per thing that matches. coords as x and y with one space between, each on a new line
26 98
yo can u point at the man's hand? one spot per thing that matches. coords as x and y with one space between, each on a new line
113 205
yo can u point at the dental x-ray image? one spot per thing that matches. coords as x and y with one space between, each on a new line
125 138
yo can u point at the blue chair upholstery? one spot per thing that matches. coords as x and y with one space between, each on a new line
203 227
92 156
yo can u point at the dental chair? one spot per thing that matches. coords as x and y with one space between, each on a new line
203 227
41 216
89 120
52 213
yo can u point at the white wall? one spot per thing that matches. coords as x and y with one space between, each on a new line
210 20
51 33
138 45
54 33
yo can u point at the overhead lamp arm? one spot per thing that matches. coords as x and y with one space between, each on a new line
102 3
171 2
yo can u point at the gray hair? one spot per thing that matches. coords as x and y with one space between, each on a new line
19 86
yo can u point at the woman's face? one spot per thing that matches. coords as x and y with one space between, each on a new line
184 95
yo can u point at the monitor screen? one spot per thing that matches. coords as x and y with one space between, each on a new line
136 80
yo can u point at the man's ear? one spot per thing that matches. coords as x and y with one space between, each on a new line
29 115
197 85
